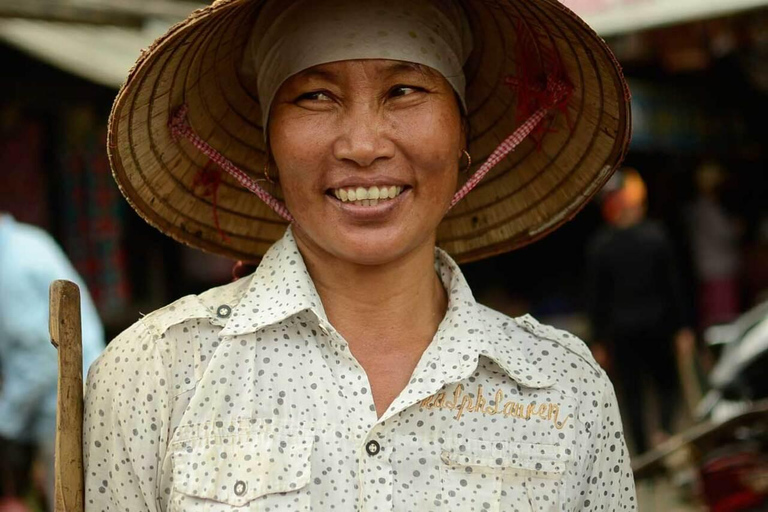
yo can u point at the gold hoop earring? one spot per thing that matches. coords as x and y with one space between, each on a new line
266 172
469 160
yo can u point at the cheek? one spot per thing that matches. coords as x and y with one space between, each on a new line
432 140
297 152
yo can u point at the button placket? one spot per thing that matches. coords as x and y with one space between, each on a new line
372 447
376 475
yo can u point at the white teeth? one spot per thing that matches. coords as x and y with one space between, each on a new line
367 197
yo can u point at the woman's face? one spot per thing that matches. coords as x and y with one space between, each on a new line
384 131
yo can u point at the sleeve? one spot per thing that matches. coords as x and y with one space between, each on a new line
126 424
24 300
21 397
30 356
609 481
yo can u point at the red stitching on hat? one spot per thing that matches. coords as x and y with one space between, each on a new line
558 94
209 177
542 85
179 127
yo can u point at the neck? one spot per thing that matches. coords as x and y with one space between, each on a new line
387 308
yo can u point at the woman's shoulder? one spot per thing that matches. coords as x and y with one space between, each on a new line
215 304
554 351
159 335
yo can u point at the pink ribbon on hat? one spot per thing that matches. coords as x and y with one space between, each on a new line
560 92
180 128
553 93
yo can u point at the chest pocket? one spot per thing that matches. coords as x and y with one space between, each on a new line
501 476
247 468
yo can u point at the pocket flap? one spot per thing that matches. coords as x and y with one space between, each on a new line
236 473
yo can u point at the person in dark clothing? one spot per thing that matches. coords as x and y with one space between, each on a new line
636 303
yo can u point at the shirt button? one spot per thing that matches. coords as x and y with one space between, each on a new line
373 448
240 487
223 311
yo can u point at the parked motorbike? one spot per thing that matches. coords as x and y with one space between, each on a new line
723 459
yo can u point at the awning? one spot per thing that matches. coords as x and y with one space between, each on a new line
104 54
98 40
614 17
99 53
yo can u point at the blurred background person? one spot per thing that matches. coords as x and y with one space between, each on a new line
29 261
636 304
715 246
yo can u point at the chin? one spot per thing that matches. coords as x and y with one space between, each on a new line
372 249
368 247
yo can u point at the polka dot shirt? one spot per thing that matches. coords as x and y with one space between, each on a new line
246 398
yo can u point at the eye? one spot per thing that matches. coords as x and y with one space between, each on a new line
404 90
314 96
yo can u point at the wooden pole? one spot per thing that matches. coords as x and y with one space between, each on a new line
66 336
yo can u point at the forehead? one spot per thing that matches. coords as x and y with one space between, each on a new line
370 69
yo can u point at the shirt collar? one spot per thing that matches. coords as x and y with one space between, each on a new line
470 330
279 288
282 287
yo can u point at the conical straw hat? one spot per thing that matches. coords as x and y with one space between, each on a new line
543 183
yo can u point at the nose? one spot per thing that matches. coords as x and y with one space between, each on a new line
363 137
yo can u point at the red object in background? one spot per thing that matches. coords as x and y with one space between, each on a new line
726 482
718 301
23 193
13 505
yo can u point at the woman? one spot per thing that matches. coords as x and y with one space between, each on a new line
354 370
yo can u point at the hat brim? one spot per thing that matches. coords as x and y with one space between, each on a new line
541 185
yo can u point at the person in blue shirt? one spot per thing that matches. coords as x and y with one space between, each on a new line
29 261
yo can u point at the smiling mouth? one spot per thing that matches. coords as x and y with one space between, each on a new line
372 196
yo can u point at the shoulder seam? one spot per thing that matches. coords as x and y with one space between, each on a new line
530 324
163 326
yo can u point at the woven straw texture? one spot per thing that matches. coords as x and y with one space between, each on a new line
542 184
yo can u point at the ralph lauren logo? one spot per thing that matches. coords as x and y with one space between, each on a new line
463 403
